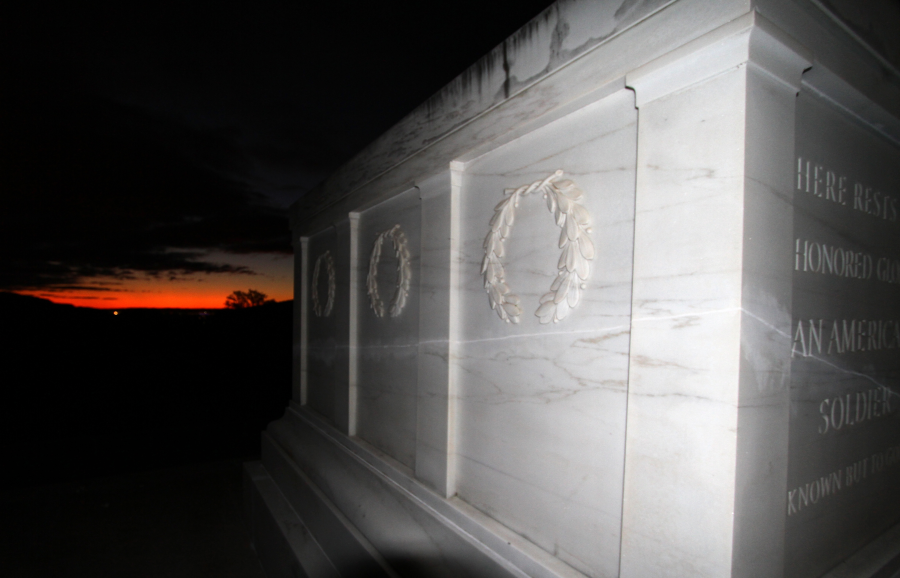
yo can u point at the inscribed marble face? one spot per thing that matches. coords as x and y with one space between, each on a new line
844 455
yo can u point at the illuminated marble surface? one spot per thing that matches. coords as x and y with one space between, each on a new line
660 426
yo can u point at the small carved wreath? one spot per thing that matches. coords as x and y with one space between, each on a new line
404 272
329 270
564 201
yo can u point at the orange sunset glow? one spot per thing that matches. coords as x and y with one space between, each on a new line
194 291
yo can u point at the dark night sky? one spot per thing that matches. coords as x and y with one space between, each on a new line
150 149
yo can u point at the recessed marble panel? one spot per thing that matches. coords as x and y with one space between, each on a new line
844 455
541 404
387 321
327 314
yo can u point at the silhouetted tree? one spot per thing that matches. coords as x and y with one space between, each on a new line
250 298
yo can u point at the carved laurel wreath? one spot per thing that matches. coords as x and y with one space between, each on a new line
404 272
564 201
329 270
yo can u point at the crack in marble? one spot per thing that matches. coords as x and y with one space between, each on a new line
625 328
636 319
486 509
848 371
766 323
646 361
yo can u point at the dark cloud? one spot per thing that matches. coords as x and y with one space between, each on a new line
96 189
138 136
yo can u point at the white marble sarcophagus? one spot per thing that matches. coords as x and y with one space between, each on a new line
621 300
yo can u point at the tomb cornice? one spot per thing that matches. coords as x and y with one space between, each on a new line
469 112
748 40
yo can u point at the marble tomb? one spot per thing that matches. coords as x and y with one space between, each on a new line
621 300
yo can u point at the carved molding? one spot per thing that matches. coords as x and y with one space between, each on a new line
318 309
404 272
563 199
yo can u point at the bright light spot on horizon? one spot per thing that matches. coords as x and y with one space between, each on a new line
115 312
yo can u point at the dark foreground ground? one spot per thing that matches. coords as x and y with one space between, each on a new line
122 436
178 522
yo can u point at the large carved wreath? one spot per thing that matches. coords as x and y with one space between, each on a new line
318 308
564 201
404 272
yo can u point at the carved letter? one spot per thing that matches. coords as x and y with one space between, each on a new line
815 491
881 267
815 336
840 262
834 403
828 256
848 334
825 485
829 186
867 266
862 405
835 339
817 172
857 197
815 268
823 411
799 338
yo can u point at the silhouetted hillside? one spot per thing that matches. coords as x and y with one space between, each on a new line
92 393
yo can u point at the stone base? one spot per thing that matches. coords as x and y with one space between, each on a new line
283 543
323 504
879 559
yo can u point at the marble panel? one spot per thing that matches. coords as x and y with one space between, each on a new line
328 285
844 454
541 404
387 325
764 399
685 347
434 411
